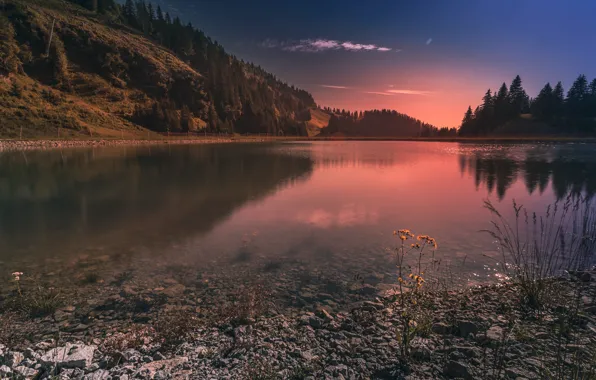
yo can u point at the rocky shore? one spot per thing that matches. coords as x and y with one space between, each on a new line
474 333
9 145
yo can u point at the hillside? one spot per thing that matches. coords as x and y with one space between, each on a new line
105 74
318 120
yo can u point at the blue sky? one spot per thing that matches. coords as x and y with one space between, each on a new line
435 56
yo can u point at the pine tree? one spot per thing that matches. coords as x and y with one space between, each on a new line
542 106
577 96
502 106
129 13
518 97
468 117
558 100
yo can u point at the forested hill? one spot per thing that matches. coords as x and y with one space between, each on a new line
380 123
100 68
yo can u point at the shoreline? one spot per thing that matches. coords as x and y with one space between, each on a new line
16 145
465 333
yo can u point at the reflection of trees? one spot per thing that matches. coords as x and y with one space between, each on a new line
137 193
567 174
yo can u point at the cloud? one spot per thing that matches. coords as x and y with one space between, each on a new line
378 93
330 86
410 92
320 45
390 86
429 41
269 44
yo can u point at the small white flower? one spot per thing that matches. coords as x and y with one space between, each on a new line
17 275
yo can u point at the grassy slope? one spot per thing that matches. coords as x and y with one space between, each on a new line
93 106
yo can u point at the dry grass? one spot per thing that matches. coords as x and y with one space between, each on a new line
535 247
173 327
246 304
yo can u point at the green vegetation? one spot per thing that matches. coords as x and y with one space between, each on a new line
510 111
110 70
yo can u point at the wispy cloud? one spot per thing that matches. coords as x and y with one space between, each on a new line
410 92
379 93
320 45
337 87
429 41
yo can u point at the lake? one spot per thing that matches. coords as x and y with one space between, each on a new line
318 212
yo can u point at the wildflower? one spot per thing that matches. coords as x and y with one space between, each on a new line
411 275
17 276
400 279
413 324
402 237
394 233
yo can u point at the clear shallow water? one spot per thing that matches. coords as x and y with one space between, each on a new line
328 206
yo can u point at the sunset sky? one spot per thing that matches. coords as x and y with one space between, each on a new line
428 59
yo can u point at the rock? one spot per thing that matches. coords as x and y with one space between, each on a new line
5 371
371 306
158 356
368 290
421 353
69 356
161 375
174 290
13 359
61 316
517 373
322 313
469 352
315 322
31 354
307 355
27 373
131 355
585 277
466 328
494 334
150 369
128 291
101 374
455 369
441 328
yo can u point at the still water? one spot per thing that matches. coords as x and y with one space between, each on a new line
327 206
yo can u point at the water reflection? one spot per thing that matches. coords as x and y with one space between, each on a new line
95 197
570 170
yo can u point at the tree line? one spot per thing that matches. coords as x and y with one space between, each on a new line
234 90
573 113
380 123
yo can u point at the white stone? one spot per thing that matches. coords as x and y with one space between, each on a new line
70 356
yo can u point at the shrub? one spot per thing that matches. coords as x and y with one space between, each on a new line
246 304
135 337
174 327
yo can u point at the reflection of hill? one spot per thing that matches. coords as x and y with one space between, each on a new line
568 171
134 193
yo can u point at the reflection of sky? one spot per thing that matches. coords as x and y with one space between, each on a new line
345 210
353 207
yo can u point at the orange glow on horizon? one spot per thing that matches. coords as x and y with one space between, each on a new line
438 96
